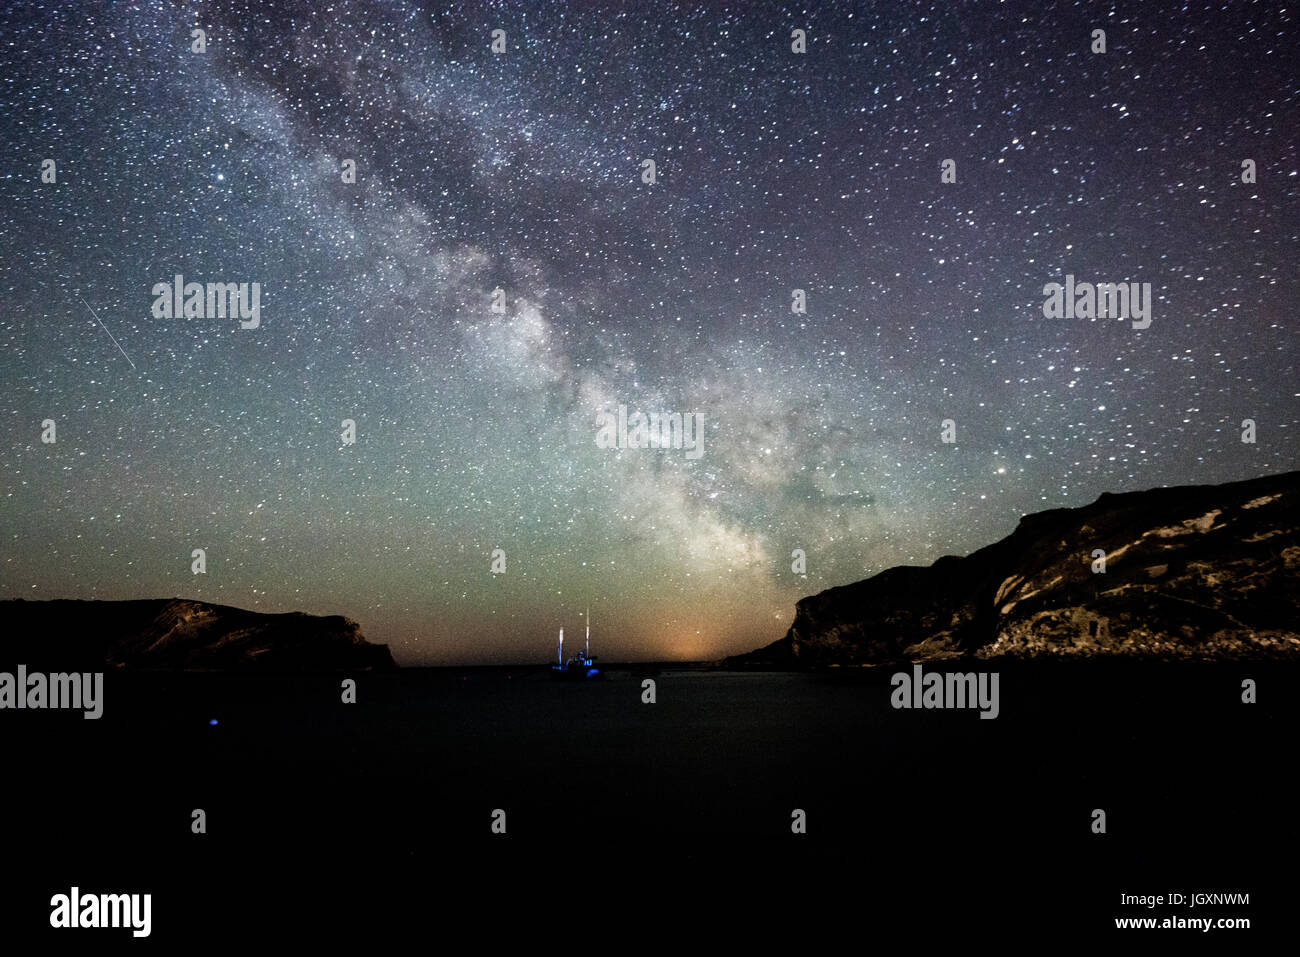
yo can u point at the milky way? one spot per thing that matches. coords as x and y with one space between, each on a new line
522 170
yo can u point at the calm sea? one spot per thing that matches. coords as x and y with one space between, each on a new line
761 796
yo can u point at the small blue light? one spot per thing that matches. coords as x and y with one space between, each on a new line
213 722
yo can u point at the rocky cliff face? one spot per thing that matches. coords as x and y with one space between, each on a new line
179 634
1207 571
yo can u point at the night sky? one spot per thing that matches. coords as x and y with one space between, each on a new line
476 430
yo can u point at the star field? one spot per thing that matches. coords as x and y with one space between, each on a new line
522 170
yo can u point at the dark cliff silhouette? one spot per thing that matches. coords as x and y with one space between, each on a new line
1201 571
177 634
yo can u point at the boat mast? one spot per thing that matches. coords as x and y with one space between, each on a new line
560 654
588 631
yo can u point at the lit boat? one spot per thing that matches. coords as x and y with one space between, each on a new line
580 666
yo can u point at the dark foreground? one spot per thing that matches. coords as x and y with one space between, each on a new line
628 821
